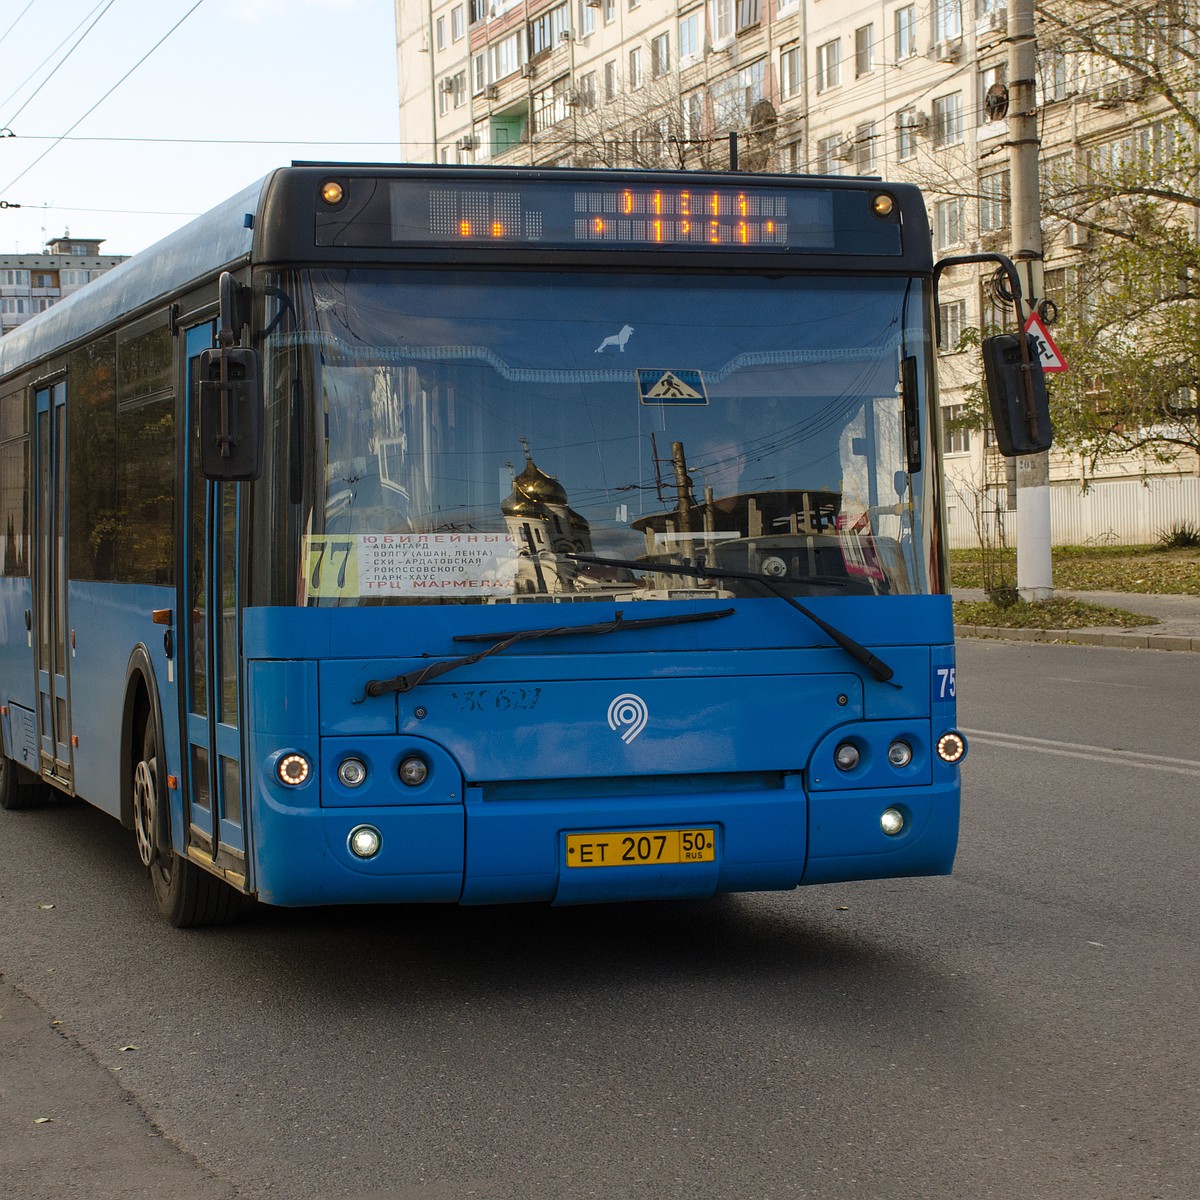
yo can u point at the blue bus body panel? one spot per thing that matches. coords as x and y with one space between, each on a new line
108 621
18 683
525 748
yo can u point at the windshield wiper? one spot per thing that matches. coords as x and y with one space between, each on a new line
406 683
878 668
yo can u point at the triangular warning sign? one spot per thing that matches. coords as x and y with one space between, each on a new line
1049 354
671 387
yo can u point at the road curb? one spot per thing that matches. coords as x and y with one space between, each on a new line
1086 637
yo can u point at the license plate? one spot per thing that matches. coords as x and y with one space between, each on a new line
641 848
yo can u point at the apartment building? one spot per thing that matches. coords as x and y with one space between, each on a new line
906 89
31 283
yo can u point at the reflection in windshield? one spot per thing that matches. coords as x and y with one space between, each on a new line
475 431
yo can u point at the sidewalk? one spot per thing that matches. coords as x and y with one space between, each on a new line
1178 617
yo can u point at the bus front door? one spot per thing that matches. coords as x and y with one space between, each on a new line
214 811
49 616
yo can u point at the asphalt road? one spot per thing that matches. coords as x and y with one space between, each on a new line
1026 1028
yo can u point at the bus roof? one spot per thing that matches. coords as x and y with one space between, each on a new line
218 238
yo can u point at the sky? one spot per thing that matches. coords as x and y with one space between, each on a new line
239 87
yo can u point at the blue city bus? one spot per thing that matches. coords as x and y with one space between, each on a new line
415 534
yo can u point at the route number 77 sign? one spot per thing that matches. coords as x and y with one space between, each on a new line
1049 354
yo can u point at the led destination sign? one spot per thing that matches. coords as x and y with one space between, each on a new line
560 214
626 216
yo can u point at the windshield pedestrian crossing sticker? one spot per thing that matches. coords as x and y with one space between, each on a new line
658 386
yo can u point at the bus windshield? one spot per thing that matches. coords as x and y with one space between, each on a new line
466 436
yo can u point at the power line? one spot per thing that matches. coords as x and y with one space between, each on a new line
48 57
58 64
181 141
106 94
17 21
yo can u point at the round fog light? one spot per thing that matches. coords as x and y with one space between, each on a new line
846 756
364 841
891 821
951 747
899 754
352 771
413 771
293 769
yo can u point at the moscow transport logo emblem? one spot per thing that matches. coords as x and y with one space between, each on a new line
627 714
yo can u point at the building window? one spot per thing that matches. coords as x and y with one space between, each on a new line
547 30
827 164
635 68
689 37
693 115
864 149
948 119
587 18
993 202
610 11
735 95
989 78
721 19
505 57
747 13
829 65
1052 78
906 32
459 93
947 20
550 104
791 82
955 441
610 81
585 97
948 224
906 134
660 55
439 35
952 320
15 278
864 50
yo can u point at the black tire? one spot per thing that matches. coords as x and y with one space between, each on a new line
188 896
19 788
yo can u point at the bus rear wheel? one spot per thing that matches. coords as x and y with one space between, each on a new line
19 788
188 896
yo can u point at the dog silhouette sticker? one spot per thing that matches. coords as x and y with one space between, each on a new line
616 339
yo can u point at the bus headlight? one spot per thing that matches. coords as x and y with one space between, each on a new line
846 756
891 821
364 841
414 771
352 771
899 754
293 769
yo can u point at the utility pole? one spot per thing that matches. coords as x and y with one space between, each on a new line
1035 580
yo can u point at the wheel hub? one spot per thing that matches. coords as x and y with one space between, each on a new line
144 806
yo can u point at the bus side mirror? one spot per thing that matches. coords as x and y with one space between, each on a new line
231 414
1016 388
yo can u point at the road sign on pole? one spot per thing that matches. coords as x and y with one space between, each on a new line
1049 354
